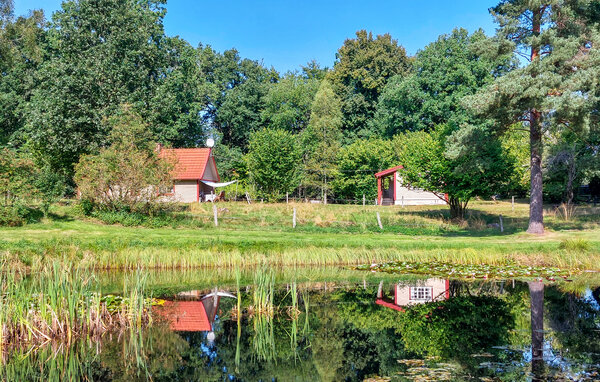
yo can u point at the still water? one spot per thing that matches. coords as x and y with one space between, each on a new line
338 325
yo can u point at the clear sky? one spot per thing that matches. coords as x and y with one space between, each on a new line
287 34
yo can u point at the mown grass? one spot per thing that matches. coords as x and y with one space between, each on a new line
255 234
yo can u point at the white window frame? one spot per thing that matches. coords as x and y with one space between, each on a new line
421 293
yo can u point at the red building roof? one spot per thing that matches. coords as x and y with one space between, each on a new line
188 316
389 171
190 163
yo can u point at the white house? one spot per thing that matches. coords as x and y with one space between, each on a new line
392 191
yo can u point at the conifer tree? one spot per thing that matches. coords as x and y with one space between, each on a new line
555 87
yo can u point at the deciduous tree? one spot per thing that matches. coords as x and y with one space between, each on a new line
274 162
363 66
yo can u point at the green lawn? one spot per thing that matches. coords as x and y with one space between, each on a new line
334 234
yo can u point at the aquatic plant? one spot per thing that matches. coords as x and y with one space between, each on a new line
61 304
263 311
477 271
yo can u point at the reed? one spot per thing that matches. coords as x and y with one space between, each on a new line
61 304
262 313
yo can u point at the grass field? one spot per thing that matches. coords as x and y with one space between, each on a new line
259 233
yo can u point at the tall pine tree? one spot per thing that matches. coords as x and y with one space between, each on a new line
555 87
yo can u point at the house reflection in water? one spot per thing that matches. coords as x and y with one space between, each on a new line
194 315
420 292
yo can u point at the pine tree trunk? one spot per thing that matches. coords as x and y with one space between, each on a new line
536 202
536 295
536 206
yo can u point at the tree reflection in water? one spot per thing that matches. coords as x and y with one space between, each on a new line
452 331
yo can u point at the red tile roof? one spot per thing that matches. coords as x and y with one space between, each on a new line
388 171
187 316
190 163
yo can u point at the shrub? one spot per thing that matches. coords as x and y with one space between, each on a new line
274 162
127 175
578 245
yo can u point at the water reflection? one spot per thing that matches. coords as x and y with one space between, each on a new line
402 329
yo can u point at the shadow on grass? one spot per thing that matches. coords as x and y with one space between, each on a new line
479 223
60 218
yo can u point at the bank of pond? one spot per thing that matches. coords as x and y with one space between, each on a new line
313 324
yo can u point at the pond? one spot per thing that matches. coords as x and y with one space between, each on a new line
329 324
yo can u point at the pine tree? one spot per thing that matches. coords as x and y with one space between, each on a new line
555 88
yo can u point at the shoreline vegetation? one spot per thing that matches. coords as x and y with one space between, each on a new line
256 234
61 303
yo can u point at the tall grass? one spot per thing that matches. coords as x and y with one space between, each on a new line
262 311
60 303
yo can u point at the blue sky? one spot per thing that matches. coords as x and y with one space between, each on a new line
287 34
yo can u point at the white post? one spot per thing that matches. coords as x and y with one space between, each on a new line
379 221
364 200
294 218
248 198
287 201
501 225
215 215
513 203
402 201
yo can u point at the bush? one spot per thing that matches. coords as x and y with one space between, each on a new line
577 245
127 175
274 162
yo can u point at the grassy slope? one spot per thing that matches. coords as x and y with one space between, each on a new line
335 234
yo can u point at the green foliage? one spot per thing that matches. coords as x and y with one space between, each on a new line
287 105
21 53
50 186
457 327
128 174
443 73
274 162
580 245
465 163
17 189
362 69
174 112
321 140
236 90
357 163
515 143
101 55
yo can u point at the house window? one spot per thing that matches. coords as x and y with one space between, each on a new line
421 293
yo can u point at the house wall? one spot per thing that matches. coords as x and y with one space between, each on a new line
210 172
186 191
402 292
414 196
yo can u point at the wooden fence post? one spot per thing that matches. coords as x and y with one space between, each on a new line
287 198
364 200
501 225
294 218
379 221
513 203
402 201
215 215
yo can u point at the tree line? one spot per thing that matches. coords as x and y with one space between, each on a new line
468 115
